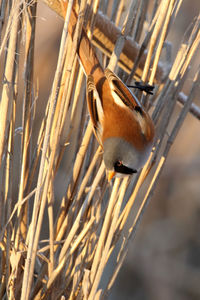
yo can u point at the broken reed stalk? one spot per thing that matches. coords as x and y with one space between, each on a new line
92 215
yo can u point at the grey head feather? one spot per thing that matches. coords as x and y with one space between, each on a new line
117 149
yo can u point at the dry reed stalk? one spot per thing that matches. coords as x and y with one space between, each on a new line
92 215
7 124
39 203
7 89
121 39
29 21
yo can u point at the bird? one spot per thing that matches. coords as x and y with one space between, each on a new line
121 125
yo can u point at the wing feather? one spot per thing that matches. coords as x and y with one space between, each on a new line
125 97
122 91
94 107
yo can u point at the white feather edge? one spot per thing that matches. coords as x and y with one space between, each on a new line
116 98
111 76
119 102
98 103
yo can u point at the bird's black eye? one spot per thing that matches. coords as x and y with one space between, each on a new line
120 168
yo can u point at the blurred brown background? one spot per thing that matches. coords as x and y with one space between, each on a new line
164 260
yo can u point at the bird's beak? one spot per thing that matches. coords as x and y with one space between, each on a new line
111 174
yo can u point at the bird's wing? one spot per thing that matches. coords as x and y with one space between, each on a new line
122 91
95 108
124 97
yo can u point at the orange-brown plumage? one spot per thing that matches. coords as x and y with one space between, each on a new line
122 126
125 122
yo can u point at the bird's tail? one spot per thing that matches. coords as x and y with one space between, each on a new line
86 51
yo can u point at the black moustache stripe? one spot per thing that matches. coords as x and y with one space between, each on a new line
119 168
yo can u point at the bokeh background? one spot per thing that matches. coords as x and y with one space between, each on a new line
163 261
